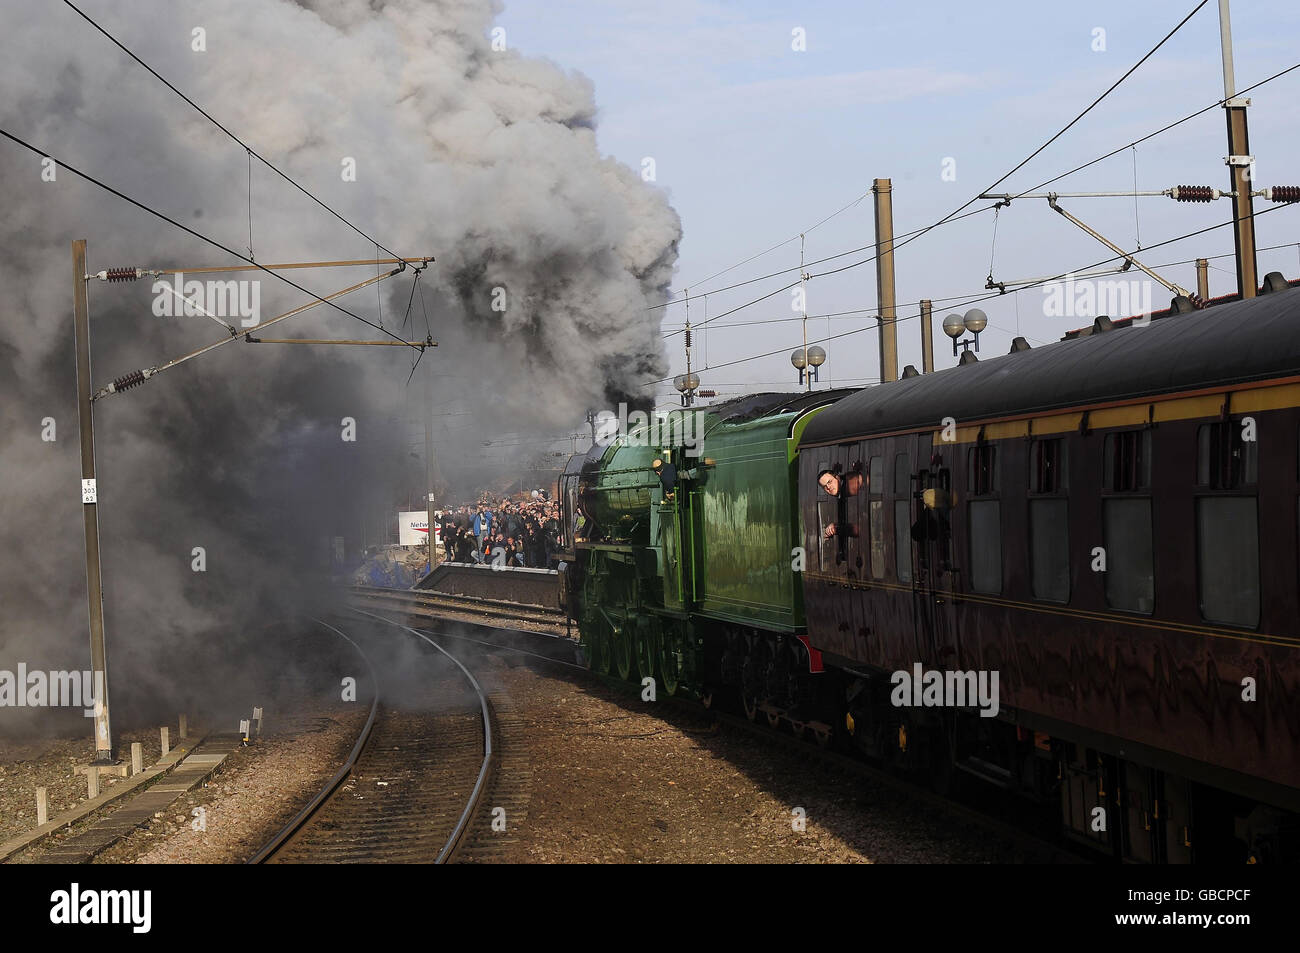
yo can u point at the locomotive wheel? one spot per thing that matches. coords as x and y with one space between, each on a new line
799 729
621 653
773 718
822 736
751 707
646 649
670 666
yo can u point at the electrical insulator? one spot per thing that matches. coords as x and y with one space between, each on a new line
1283 193
707 393
127 381
1193 193
688 337
122 274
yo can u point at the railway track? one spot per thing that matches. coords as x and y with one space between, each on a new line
421 602
413 782
1021 845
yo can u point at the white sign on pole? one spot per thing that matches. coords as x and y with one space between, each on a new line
413 529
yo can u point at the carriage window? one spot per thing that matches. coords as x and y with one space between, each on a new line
1224 460
982 471
828 546
1047 467
1049 525
1130 573
986 546
876 514
1127 460
1049 548
1227 537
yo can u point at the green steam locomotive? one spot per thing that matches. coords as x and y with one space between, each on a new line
684 552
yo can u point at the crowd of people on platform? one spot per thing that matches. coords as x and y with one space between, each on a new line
505 532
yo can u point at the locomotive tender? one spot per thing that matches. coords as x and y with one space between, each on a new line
1105 528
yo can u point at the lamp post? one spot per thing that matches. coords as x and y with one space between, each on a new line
687 384
955 325
806 360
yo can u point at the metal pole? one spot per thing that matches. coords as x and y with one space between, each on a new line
882 189
1239 169
89 500
927 337
428 456
1203 278
803 311
688 395
1225 40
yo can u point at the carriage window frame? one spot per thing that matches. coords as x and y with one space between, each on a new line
1224 461
1224 564
982 469
1049 492
1126 461
877 558
1049 471
983 552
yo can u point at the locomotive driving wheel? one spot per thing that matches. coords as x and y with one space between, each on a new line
647 648
621 651
671 660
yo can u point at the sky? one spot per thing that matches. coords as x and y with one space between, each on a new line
755 142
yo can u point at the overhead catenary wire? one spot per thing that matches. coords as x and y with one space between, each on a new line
981 295
250 206
253 154
976 298
1064 129
318 299
987 297
796 268
767 251
959 213
1137 221
956 218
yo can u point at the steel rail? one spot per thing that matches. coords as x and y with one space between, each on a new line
462 825
269 849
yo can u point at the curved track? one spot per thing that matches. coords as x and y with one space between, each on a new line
422 602
412 782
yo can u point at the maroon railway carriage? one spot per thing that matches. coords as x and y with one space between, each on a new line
1110 524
